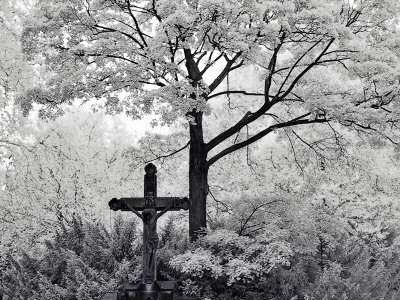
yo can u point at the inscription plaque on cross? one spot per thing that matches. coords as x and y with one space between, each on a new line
151 208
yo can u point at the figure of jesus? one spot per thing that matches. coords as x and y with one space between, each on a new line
149 217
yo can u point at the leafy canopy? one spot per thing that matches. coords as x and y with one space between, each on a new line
321 60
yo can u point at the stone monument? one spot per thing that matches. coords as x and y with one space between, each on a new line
149 209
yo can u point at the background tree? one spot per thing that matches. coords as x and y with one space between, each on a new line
60 168
15 74
318 62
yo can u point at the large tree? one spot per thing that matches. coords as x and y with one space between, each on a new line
320 62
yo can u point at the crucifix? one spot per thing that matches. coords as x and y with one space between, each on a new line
152 207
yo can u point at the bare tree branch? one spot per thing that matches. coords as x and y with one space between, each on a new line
296 121
224 72
271 69
226 207
169 154
250 117
105 29
234 92
296 63
302 73
7 142
128 2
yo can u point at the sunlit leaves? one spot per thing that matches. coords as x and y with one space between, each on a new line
60 168
239 259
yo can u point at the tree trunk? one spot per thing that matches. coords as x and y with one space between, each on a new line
197 177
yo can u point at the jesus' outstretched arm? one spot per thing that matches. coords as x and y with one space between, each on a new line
133 209
163 211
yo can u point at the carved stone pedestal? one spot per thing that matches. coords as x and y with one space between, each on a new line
158 290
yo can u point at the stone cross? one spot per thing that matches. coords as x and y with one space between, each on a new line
152 208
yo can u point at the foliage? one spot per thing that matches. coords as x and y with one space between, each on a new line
313 232
15 73
83 261
303 214
60 168
324 64
302 249
337 225
163 56
303 254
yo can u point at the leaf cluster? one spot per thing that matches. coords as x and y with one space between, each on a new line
82 261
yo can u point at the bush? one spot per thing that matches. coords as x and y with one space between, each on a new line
82 261
315 257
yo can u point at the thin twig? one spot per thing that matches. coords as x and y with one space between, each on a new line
169 154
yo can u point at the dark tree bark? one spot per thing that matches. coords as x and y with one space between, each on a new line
198 168
197 177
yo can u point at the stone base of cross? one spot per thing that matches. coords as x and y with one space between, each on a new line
158 290
151 208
